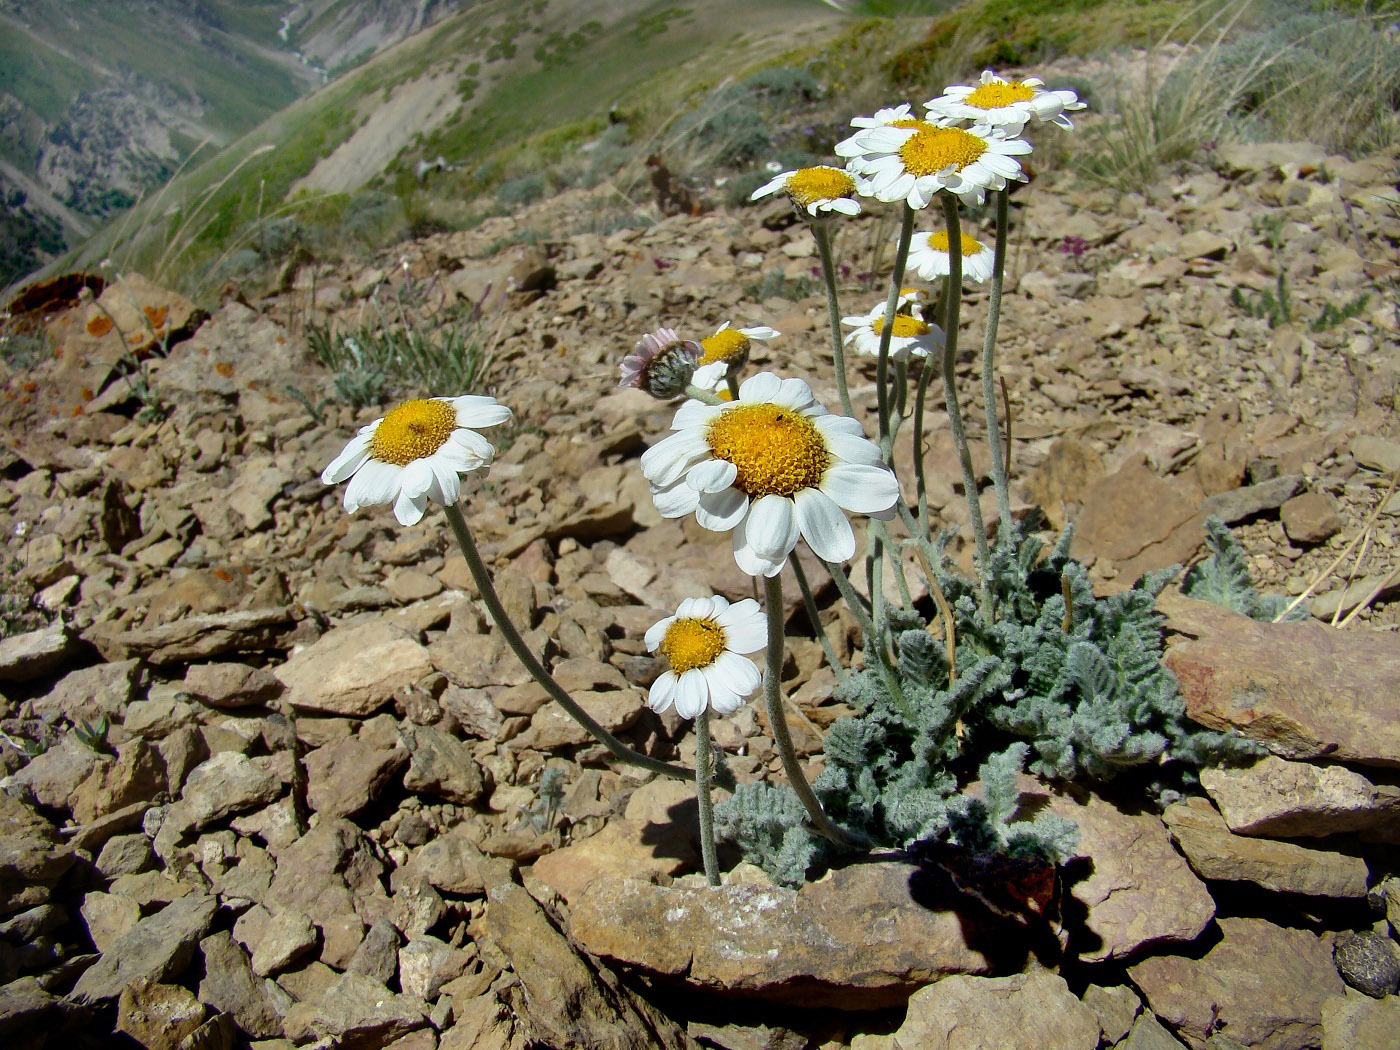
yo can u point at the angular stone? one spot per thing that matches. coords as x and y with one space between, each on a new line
108 917
855 940
621 849
1241 503
25 657
1149 1034
1261 985
1030 1010
158 1016
569 1002
322 872
90 692
1116 1006
455 864
50 779
1301 689
1215 853
1376 453
378 954
230 986
1286 799
227 783
1140 892
441 765
193 638
231 685
287 936
1356 1021
157 948
137 775
355 1011
1310 519
345 777
426 964
354 670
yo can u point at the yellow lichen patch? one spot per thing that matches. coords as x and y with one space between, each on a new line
929 152
777 452
414 430
811 185
939 243
692 643
995 96
728 345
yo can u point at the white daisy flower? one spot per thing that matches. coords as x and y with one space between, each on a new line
1008 104
703 643
909 336
417 453
815 190
928 257
914 163
732 345
772 466
901 116
910 298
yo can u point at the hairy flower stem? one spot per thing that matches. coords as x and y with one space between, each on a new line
989 390
777 720
867 629
810 601
704 764
901 256
920 400
517 644
707 396
732 382
950 391
821 230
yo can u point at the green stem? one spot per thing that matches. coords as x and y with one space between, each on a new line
704 762
821 230
512 636
920 400
989 390
950 391
732 382
901 256
777 720
707 396
892 551
867 629
833 661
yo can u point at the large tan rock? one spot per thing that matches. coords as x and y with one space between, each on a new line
354 670
855 940
1024 1010
1301 689
1276 797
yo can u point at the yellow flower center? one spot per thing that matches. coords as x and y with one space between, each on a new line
776 451
939 243
810 185
728 345
691 643
414 430
931 151
994 96
904 327
912 122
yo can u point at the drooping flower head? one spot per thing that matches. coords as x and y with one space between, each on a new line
732 345
1008 104
417 453
772 466
815 190
915 161
909 336
703 643
928 256
662 364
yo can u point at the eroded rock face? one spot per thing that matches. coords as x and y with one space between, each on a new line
1030 1010
856 940
1301 689
1261 985
155 949
1285 799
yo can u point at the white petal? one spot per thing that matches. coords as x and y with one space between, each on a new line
713 475
736 673
860 488
760 388
851 449
676 501
745 631
663 692
695 413
692 693
349 460
374 483
408 510
418 480
665 462
657 631
771 527
695 609
794 394
449 482
720 511
480 412
823 526
474 443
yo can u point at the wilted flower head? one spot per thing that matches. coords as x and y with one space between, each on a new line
417 453
662 364
1008 104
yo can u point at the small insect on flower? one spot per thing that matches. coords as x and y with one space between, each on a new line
704 644
417 453
663 364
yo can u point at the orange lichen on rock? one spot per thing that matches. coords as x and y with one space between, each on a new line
99 326
224 369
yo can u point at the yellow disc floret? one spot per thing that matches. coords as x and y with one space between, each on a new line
904 327
414 430
913 122
930 151
939 243
728 345
776 451
995 96
692 643
811 185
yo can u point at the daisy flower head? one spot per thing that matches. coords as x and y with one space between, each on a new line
706 643
1009 104
909 336
815 190
417 453
773 466
914 163
662 364
928 257
910 298
732 345
901 116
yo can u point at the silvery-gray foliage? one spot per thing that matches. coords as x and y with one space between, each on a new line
1080 696
1224 579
